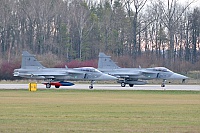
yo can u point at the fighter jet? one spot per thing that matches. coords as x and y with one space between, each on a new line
135 76
31 68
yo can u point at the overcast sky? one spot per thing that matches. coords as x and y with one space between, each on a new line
195 4
183 2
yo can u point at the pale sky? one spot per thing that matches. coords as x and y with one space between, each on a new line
196 3
184 2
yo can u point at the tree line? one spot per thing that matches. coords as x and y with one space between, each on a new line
136 32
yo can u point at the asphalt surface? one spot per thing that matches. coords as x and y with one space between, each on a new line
108 87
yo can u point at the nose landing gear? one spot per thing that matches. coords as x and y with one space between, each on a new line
91 85
163 83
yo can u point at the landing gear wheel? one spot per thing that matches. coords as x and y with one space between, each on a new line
162 85
48 85
123 84
131 85
57 86
91 87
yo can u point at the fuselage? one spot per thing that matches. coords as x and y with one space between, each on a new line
84 73
144 73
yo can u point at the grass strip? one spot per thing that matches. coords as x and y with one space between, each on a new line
99 111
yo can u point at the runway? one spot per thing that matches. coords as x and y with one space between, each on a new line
108 87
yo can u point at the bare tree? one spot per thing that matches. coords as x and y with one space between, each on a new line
138 6
8 26
195 31
170 18
81 15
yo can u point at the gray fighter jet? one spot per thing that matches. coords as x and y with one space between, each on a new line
31 68
135 76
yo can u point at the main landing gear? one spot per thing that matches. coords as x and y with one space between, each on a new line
48 85
123 84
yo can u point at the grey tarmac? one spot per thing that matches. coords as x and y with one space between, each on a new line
107 87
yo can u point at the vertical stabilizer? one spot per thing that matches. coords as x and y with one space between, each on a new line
29 61
105 62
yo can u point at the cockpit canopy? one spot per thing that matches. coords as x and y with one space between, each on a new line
161 69
88 69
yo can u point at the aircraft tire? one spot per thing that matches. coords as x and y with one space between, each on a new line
123 84
48 85
131 85
57 86
90 87
162 85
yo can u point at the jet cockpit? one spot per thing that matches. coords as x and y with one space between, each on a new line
161 69
88 69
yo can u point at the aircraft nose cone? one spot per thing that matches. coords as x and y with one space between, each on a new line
178 76
107 77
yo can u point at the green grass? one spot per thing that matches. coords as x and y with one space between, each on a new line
99 111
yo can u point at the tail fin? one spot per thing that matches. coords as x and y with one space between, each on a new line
29 61
105 62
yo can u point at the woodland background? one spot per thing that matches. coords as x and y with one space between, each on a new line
144 33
